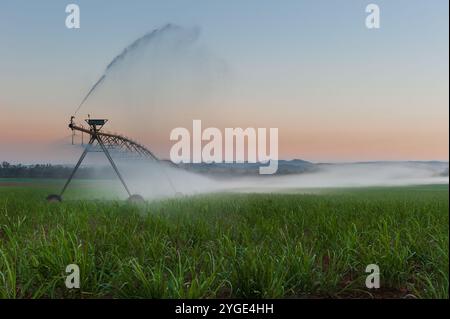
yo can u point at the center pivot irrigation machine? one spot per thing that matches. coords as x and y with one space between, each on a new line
106 141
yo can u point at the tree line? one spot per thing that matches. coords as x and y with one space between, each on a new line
8 170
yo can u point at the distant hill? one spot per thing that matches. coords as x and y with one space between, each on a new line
296 166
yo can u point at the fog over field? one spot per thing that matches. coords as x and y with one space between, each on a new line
157 180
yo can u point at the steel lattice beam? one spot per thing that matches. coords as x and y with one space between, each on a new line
117 142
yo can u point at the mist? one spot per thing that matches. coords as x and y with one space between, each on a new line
155 180
161 81
137 45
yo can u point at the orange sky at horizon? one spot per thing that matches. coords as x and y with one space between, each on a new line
346 142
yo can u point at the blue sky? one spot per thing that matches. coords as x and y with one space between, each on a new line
301 57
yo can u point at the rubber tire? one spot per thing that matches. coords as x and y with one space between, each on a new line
53 198
136 199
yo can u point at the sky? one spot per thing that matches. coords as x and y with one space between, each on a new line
336 90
